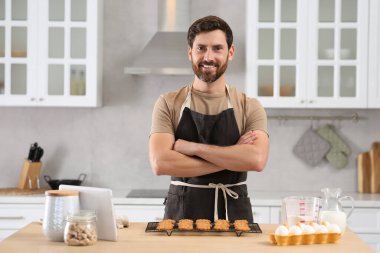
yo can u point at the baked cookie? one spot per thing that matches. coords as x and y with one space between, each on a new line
166 225
241 225
222 225
203 224
185 224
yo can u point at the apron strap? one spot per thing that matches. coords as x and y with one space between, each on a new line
187 102
217 187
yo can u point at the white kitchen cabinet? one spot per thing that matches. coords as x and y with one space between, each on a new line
261 214
275 215
365 222
15 216
373 240
308 53
146 213
50 52
141 213
374 56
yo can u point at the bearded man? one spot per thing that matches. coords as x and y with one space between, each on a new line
208 135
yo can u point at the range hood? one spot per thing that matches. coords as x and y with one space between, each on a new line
166 52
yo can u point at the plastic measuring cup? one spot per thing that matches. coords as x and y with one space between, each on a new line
301 209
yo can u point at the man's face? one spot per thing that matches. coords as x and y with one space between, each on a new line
209 55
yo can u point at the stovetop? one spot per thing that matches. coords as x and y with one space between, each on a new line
147 193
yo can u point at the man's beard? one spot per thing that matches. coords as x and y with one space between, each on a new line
206 75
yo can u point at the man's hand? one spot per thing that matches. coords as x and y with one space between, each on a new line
185 147
247 138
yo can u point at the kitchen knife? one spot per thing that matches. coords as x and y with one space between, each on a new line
32 151
38 154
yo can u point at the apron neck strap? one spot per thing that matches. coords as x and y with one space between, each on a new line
187 102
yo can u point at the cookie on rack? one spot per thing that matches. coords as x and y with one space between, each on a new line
166 225
203 224
222 225
241 225
185 224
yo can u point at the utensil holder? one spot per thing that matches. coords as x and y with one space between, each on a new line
29 176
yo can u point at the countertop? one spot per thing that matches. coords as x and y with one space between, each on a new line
134 239
272 198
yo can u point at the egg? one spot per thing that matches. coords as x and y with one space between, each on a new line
314 224
301 225
281 230
322 229
295 230
326 223
307 229
333 228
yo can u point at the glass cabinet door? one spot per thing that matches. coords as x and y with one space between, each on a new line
14 44
274 55
50 52
66 51
339 62
307 53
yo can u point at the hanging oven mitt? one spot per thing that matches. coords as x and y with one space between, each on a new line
339 152
311 147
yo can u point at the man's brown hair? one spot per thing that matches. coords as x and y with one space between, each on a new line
208 24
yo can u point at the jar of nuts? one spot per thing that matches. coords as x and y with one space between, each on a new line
80 229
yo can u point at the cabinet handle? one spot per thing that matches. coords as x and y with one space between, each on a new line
41 99
32 99
302 101
12 217
311 101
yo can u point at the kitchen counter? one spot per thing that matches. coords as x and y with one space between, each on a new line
134 239
364 200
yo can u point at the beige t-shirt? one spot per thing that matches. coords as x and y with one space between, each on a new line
249 113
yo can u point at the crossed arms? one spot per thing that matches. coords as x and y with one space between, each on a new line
189 159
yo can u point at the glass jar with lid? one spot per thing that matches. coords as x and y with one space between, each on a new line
80 228
58 204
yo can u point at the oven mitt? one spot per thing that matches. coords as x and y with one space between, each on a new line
311 148
339 152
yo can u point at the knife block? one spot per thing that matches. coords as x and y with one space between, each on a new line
29 175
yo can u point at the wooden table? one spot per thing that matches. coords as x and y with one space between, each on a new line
134 239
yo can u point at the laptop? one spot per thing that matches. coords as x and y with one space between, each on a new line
100 200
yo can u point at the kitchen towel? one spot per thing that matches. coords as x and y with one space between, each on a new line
339 151
311 148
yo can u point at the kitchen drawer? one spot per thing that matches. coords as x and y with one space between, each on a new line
275 215
365 220
141 213
261 214
15 216
373 240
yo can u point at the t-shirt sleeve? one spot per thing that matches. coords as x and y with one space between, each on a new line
256 116
161 117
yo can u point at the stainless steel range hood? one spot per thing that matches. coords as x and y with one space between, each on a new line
166 52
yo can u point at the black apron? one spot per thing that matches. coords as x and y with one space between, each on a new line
191 202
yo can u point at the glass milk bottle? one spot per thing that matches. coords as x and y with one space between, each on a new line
332 210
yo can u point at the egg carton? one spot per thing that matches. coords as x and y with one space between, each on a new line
304 239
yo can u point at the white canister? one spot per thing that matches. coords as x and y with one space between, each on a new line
58 204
